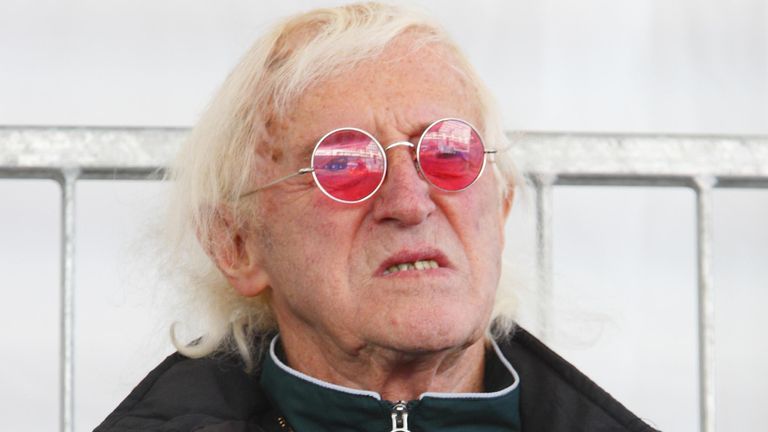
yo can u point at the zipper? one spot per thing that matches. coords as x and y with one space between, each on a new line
399 416
283 424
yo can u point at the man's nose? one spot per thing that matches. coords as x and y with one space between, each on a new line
405 195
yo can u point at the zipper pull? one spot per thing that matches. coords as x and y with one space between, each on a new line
400 417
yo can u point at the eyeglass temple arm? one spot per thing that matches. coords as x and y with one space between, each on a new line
492 153
276 181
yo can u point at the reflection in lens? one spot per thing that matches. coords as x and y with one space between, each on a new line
451 154
348 165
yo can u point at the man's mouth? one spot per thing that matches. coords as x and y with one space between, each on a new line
412 266
414 260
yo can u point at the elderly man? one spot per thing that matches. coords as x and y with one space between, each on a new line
346 196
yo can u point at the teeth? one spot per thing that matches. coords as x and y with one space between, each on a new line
418 265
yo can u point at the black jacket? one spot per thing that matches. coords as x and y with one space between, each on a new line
216 395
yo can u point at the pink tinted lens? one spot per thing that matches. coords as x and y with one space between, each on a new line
348 165
451 154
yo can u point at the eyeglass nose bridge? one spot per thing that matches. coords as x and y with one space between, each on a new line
409 145
399 144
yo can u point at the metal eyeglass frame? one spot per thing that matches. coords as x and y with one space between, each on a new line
383 150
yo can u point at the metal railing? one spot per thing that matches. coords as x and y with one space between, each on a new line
548 160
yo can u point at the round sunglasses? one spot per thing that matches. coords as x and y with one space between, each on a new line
349 165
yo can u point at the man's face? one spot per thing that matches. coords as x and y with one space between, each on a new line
326 260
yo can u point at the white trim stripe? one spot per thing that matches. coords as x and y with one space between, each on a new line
377 396
316 381
482 395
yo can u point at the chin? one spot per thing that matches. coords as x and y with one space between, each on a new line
436 329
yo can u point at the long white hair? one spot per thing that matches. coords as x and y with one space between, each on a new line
224 154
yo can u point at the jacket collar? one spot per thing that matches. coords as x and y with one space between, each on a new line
310 404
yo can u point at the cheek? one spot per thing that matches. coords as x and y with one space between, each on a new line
484 238
311 239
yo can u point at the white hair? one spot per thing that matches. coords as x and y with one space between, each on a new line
227 150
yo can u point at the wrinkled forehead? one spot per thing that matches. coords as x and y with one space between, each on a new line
404 89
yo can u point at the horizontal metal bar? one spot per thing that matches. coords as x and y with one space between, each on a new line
97 148
622 180
122 174
641 155
31 173
86 174
653 180
742 182
108 152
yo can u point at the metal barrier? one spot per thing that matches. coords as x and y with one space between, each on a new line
700 163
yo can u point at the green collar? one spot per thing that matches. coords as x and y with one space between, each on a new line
311 405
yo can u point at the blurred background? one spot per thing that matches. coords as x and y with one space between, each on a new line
624 258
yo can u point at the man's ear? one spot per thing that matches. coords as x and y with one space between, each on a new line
231 246
506 206
507 199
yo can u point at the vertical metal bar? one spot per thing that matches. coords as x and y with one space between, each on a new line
67 305
706 330
543 184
